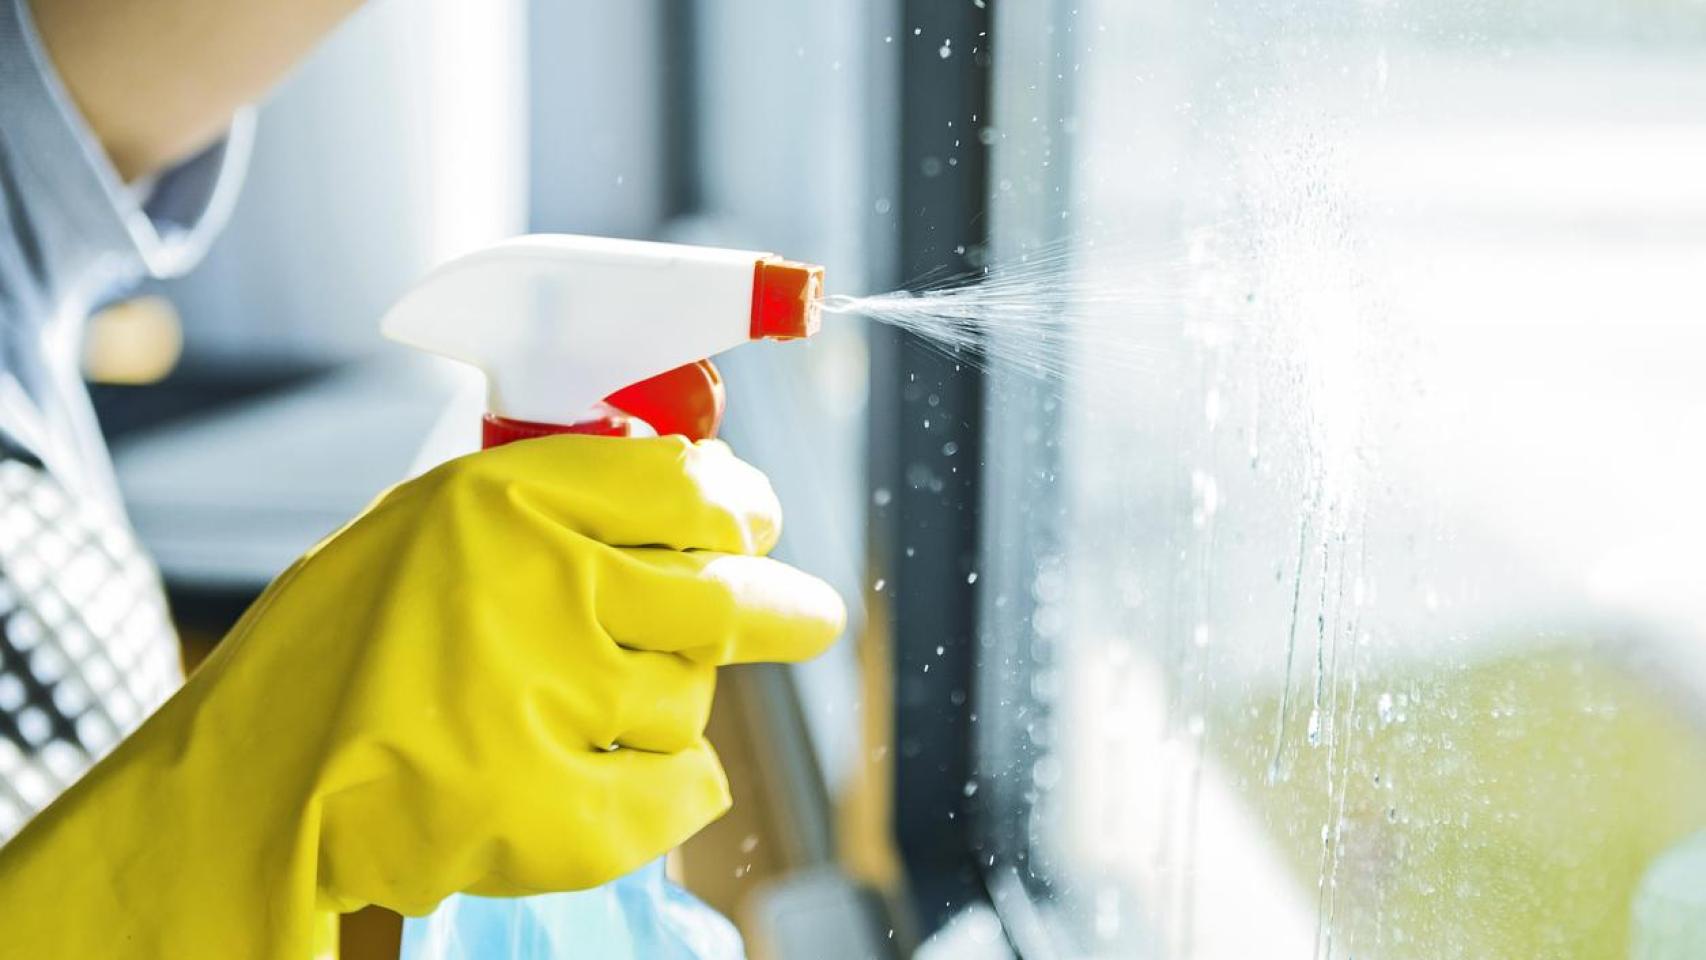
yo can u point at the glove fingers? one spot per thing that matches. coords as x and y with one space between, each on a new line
662 799
602 695
625 491
666 701
717 608
609 814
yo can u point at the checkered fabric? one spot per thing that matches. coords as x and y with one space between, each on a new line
86 647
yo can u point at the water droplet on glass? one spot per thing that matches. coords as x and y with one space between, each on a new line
946 50
971 577
1314 731
879 585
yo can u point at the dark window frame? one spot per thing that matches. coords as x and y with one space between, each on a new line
964 646
926 455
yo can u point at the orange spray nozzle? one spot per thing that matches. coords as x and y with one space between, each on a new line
787 299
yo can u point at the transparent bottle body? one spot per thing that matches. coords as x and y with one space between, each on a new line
641 915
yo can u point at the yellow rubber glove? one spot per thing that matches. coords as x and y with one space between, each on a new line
496 680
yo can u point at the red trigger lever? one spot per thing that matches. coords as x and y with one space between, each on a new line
688 400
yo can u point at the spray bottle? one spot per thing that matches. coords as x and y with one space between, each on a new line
609 337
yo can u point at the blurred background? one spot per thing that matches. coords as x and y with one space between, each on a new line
1362 615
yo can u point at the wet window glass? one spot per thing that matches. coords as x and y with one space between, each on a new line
1342 592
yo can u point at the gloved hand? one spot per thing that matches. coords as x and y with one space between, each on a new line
495 680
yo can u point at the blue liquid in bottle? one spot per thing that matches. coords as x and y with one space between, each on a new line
642 916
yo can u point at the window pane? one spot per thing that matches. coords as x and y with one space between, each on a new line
1372 620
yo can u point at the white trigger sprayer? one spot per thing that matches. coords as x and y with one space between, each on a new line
585 334
611 337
